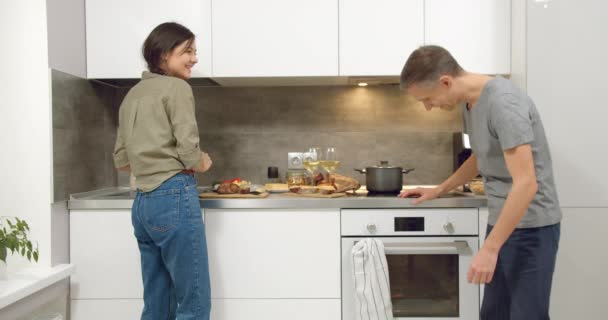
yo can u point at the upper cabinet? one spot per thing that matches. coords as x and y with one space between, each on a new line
266 38
476 32
116 30
289 38
377 36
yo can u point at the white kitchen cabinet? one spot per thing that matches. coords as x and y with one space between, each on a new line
476 32
104 250
116 30
579 282
275 38
377 36
274 254
124 309
566 61
276 309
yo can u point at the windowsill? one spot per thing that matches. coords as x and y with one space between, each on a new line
26 282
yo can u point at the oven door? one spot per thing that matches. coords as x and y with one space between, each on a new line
427 275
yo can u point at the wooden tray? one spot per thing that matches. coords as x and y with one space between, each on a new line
314 195
215 195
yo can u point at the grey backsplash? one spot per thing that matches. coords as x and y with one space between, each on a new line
247 129
83 133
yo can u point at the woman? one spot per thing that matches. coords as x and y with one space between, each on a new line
158 142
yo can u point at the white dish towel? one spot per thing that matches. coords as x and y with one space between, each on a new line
371 282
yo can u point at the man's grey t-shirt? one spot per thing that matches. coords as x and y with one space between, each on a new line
503 118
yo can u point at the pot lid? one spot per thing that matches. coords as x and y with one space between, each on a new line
384 164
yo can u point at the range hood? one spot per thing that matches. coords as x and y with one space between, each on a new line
130 82
305 81
270 81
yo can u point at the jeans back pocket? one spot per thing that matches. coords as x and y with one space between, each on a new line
160 211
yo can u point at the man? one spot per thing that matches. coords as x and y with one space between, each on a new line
511 152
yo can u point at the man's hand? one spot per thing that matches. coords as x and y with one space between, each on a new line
483 266
422 194
204 164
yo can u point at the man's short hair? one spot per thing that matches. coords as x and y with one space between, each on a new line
427 64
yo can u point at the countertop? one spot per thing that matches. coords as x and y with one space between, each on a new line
29 281
122 198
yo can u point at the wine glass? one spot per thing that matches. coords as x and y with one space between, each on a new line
329 160
311 160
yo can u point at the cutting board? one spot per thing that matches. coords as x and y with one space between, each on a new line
215 195
314 195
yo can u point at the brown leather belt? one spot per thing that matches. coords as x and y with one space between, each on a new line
187 171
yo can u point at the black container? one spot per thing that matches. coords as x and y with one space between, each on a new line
384 178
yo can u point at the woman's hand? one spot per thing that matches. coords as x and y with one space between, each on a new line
422 194
204 164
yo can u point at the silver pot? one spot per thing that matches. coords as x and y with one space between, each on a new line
384 178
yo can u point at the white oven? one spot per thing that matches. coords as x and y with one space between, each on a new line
428 254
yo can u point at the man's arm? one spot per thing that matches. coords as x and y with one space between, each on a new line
520 164
467 171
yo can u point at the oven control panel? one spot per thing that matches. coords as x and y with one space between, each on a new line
410 222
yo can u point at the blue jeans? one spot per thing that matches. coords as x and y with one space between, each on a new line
521 286
169 228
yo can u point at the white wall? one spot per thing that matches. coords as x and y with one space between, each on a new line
66 34
565 67
518 43
25 132
579 282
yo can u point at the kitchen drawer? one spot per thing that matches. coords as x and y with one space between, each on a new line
275 309
265 254
104 250
121 309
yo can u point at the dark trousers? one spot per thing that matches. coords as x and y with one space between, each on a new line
521 286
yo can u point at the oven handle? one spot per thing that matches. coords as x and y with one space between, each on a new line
455 247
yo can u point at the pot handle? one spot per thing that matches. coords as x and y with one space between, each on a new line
361 170
407 170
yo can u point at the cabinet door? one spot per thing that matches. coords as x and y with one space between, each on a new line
579 282
476 32
274 253
566 64
275 309
127 309
275 38
116 30
104 250
377 36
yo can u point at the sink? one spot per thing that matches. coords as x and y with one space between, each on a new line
128 194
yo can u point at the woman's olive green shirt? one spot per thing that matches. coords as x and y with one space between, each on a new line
157 131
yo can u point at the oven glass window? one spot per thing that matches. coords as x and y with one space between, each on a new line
424 285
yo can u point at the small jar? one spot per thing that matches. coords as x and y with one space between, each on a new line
476 185
297 178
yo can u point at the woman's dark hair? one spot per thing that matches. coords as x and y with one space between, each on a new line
427 64
162 40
